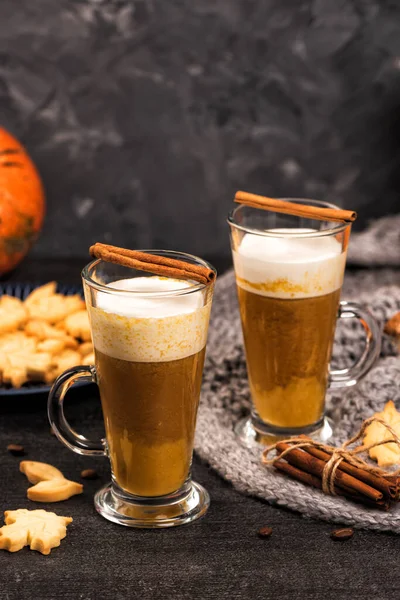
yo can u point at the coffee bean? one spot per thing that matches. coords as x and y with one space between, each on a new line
265 532
89 474
342 534
16 449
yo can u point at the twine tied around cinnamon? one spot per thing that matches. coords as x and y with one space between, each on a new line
338 454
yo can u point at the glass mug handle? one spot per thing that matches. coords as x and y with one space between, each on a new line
351 375
55 408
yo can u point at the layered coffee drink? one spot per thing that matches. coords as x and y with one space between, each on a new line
149 358
289 290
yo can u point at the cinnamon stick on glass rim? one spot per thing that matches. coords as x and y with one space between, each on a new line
293 208
152 263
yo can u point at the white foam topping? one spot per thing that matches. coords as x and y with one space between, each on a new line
149 325
287 266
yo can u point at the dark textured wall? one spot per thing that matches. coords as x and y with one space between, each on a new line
144 116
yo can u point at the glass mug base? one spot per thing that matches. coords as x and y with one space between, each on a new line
252 432
184 506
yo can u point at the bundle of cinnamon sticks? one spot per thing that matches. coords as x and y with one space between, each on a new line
307 465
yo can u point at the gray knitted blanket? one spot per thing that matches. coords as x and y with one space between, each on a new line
226 398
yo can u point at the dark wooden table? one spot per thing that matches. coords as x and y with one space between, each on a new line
220 557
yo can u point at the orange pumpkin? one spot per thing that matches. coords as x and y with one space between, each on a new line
22 202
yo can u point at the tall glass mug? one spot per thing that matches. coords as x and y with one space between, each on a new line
289 273
149 335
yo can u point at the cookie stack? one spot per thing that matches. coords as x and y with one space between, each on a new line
42 336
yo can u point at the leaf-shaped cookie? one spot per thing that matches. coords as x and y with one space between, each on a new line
39 471
54 490
44 291
386 454
38 529
77 324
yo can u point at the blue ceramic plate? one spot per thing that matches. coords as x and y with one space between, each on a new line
22 290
